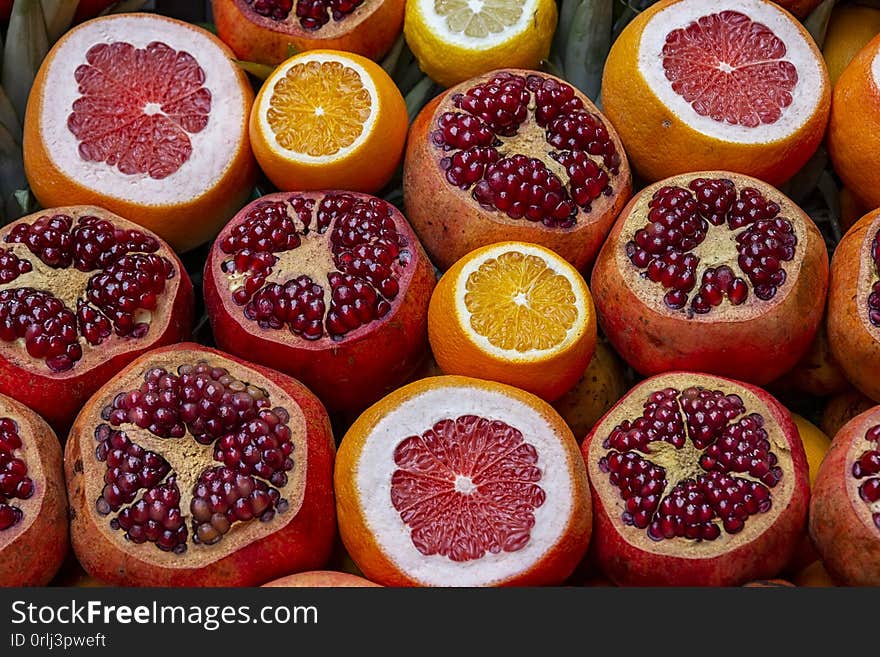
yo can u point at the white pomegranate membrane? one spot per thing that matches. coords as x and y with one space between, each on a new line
866 472
317 267
192 454
15 484
464 487
711 243
142 107
697 464
115 280
311 15
737 70
528 148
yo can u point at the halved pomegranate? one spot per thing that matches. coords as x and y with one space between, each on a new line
269 31
82 293
712 272
513 155
33 502
697 481
194 468
845 507
329 287
854 305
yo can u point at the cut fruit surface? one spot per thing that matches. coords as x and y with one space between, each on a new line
514 154
697 480
330 287
515 313
734 85
452 481
269 31
329 119
189 463
454 40
146 116
721 272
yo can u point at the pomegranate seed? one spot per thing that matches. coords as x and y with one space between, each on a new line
277 10
14 482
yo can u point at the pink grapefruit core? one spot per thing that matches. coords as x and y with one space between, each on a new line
866 470
138 107
467 487
694 462
731 69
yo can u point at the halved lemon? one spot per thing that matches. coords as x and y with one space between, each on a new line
329 119
458 39
515 313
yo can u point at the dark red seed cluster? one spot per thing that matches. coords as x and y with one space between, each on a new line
699 506
251 440
129 277
874 296
367 252
315 14
867 469
14 481
478 158
679 220
277 10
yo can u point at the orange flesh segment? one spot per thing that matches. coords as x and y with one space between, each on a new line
518 303
319 108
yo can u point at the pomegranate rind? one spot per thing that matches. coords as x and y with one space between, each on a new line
662 144
59 396
551 564
451 223
629 558
303 538
321 579
370 30
194 212
841 525
854 127
347 375
33 550
755 345
854 341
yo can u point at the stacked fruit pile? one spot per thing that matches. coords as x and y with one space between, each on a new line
365 292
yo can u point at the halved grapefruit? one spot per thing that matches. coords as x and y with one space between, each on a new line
145 116
455 481
731 84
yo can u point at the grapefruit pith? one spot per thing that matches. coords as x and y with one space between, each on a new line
145 116
455 481
700 84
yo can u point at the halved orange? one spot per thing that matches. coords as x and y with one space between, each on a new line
455 481
517 313
145 116
329 119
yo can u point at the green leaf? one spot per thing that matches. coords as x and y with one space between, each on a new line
418 96
125 7
8 117
389 63
804 181
567 10
12 176
210 27
589 40
58 14
817 22
25 200
261 71
26 45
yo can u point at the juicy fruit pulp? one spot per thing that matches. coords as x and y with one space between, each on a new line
695 464
319 108
519 303
243 445
679 221
311 14
866 470
15 484
730 68
544 165
314 267
115 281
467 487
874 297
138 107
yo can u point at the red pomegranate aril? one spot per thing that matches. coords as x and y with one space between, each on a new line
353 267
275 9
710 468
